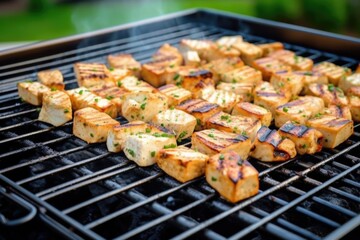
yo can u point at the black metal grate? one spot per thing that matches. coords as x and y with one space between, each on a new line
96 194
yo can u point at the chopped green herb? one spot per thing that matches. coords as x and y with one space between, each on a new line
318 115
225 117
182 135
308 73
211 135
285 109
81 92
198 122
66 110
170 146
221 157
119 83
109 97
303 146
176 77
53 89
91 135
96 100
175 95
131 152
240 162
147 130
296 58
213 179
234 80
331 87
142 106
172 108
29 81
152 154
282 84
38 109
172 65
111 68
243 133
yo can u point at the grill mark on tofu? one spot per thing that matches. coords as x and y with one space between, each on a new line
337 122
219 141
205 107
297 130
270 136
200 74
269 94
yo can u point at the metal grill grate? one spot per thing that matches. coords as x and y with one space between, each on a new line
97 194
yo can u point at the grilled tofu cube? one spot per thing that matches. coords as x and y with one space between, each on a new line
335 130
52 79
243 74
125 61
82 98
219 52
92 74
244 90
307 140
167 52
253 111
119 74
199 46
338 111
32 92
191 58
266 96
329 93
229 41
333 72
213 141
113 94
268 48
132 84
346 82
175 94
200 109
354 102
225 99
56 108
269 146
232 176
143 105
220 66
154 73
299 110
268 66
234 124
91 125
290 58
182 123
310 77
287 81
183 164
249 52
143 148
118 134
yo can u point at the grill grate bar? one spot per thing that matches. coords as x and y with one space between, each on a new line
292 203
63 168
347 227
17 114
18 125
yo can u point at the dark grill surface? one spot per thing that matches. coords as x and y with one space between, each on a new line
83 191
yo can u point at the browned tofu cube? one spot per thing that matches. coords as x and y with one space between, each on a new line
290 58
52 79
232 176
199 46
92 74
92 126
221 66
335 130
167 52
332 71
175 94
219 52
249 52
243 74
288 81
183 164
153 73
234 124
268 66
200 109
354 103
32 92
191 58
346 82
126 62
132 84
213 141
268 48
119 74
310 77
225 99
244 90
253 111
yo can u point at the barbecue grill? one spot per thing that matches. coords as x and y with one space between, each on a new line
54 185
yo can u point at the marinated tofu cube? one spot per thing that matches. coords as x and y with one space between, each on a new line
118 134
266 96
229 41
143 148
212 141
199 46
225 99
287 81
244 90
132 84
310 77
167 52
56 108
253 111
346 82
338 111
249 52
119 74
268 48
91 125
191 58
268 66
181 163
333 72
219 52
32 92
82 98
154 73
234 124
200 109
143 105
221 66
299 110
329 93
182 123
354 103
232 176
92 74
52 79
290 58
125 61
307 140
335 130
175 94
243 74
269 146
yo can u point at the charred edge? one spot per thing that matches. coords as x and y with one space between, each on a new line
293 103
281 154
320 89
206 108
200 73
297 130
189 103
210 144
337 122
269 94
167 87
